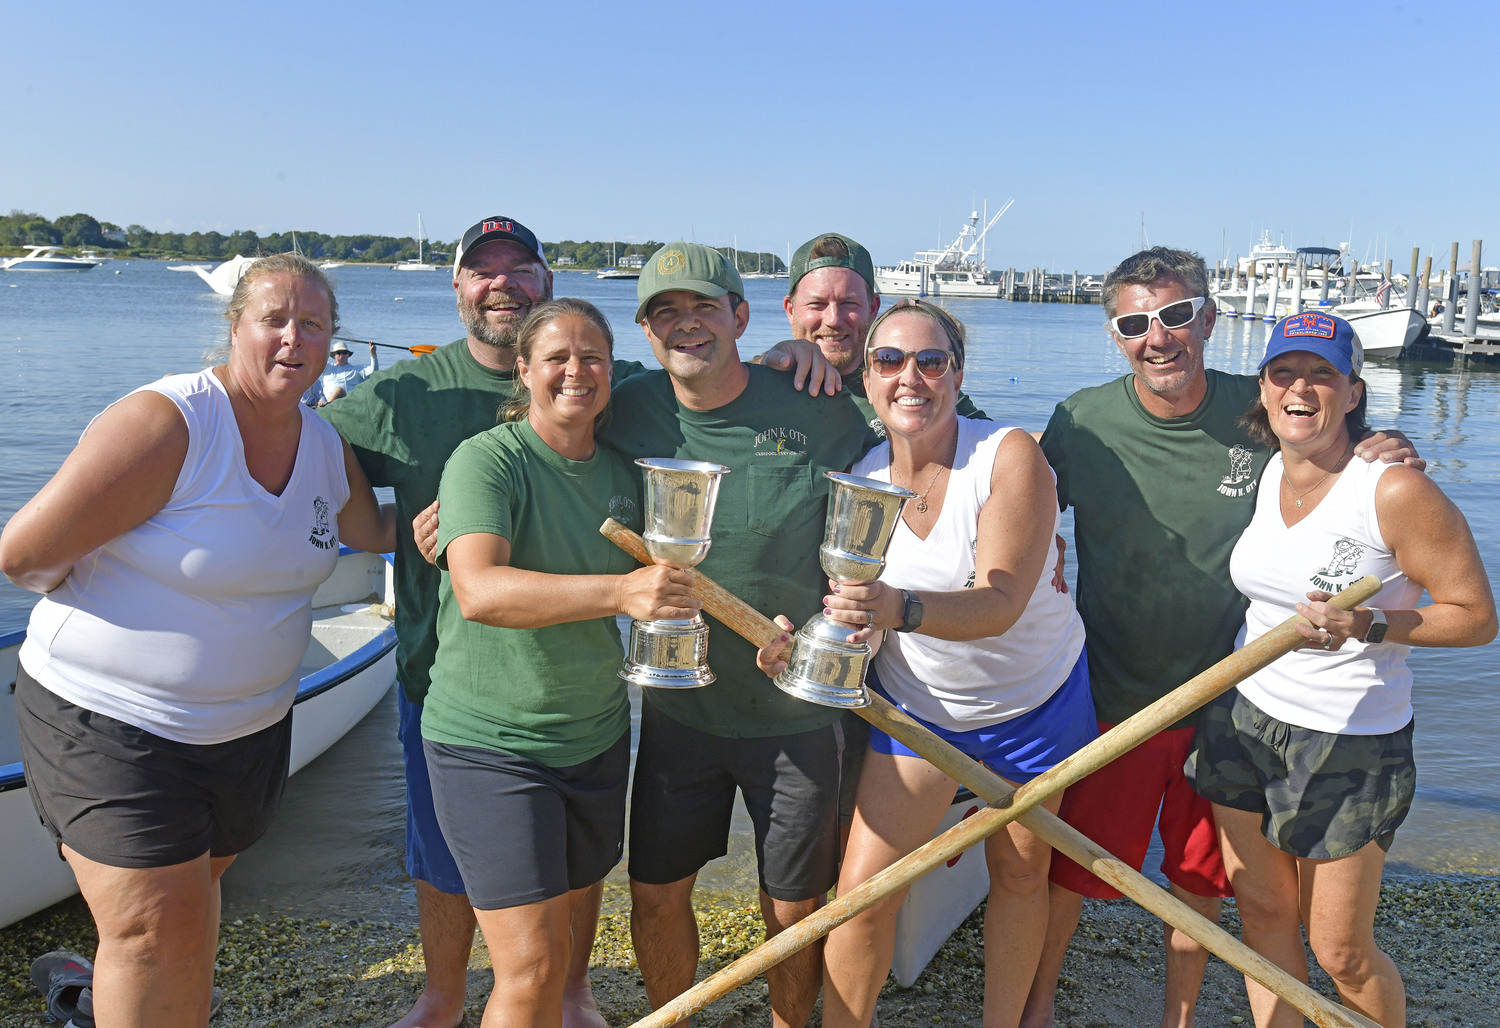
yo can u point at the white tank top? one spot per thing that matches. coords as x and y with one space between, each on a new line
192 625
966 685
1358 689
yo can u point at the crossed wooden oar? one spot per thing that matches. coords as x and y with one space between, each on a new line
1007 805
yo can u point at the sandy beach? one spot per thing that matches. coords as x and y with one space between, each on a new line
288 972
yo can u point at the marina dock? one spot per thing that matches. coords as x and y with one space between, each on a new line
1040 286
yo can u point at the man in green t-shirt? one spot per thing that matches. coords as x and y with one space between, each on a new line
1162 481
831 300
698 746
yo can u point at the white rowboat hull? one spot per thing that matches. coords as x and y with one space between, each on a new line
938 902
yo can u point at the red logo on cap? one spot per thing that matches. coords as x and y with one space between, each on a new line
1317 325
498 226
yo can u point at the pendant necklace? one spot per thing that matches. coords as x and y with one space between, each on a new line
1298 496
921 504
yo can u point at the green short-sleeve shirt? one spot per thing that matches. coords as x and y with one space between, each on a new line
1158 504
403 424
549 694
767 527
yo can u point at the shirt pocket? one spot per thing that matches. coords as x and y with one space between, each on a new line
784 498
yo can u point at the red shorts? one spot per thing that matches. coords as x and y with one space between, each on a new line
1117 805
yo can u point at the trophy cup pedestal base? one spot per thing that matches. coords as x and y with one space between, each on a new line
668 654
826 669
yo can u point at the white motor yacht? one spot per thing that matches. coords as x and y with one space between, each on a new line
48 258
957 269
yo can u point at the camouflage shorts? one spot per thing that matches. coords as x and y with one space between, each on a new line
1320 795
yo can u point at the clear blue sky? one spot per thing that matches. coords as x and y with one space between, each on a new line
769 121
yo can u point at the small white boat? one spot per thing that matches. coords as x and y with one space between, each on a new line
628 267
222 279
418 264
1382 332
956 270
938 902
350 664
48 258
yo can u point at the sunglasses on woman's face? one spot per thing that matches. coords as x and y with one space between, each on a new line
1172 315
888 361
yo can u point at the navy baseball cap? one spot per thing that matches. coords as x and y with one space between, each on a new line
482 232
1329 337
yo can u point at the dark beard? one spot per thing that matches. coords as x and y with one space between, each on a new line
502 337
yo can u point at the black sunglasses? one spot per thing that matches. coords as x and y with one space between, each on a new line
889 360
1173 315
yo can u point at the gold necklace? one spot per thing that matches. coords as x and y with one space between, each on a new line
1288 482
921 503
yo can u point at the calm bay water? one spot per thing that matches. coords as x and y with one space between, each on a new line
71 344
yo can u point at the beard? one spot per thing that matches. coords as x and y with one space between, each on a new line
502 336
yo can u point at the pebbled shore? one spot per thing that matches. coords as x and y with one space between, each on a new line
1443 932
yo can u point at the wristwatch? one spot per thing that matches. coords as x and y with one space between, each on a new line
1378 626
911 616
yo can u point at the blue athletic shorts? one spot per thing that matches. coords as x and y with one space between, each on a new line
428 858
1023 747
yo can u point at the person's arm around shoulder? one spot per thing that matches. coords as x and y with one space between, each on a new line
364 523
806 363
491 592
121 472
1434 547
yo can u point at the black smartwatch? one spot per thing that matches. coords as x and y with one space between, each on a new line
1378 626
911 616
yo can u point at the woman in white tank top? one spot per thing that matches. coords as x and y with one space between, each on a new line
1308 763
987 652
177 551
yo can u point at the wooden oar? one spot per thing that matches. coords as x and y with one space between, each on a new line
419 349
1020 804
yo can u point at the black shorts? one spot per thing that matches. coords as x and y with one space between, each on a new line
683 800
122 796
522 832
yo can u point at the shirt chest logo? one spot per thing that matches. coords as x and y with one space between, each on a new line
1342 565
624 510
1239 481
780 442
322 532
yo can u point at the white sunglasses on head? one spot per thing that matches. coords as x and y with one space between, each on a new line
1171 315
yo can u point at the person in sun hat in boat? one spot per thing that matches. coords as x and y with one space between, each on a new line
341 377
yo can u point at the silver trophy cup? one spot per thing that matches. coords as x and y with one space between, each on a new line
673 653
825 668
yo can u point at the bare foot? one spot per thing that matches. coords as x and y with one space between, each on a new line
1038 1015
579 1010
430 1011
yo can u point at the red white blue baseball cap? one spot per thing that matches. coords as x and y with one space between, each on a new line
1329 337
482 232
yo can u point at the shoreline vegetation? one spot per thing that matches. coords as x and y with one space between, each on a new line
21 229
1443 931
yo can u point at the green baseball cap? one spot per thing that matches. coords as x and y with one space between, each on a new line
692 266
855 257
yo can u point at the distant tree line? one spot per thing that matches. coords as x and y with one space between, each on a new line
21 228
594 254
